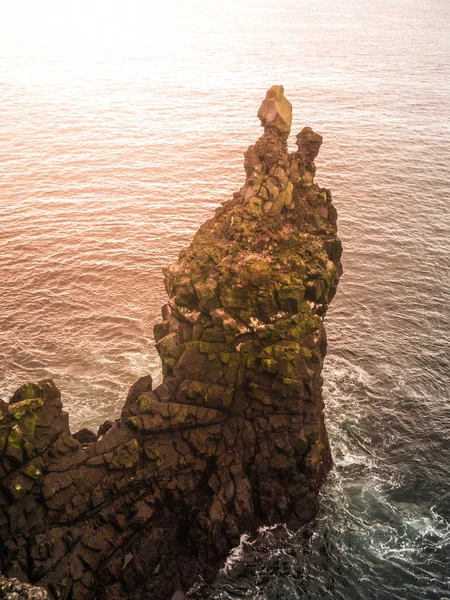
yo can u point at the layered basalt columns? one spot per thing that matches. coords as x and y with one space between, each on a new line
243 329
70 513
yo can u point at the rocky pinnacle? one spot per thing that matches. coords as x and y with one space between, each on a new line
234 437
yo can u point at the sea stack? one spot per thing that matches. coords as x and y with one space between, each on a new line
233 438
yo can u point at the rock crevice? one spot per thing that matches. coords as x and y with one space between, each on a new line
232 439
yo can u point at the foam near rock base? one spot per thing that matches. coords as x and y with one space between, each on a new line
234 437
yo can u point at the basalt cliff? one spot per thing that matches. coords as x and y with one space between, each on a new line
232 439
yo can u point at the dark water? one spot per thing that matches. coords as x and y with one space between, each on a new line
122 126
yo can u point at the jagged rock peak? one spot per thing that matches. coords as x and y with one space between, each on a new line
308 144
272 172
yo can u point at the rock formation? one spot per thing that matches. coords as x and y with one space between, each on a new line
233 438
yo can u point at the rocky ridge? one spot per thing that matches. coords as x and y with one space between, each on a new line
232 439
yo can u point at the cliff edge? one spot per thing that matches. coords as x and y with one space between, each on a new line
232 439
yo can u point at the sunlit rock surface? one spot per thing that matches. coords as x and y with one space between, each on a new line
232 439
276 110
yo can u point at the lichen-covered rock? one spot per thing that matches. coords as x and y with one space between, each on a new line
232 439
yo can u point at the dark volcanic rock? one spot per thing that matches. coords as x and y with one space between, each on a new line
104 428
85 436
233 438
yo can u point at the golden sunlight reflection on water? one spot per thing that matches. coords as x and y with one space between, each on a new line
64 40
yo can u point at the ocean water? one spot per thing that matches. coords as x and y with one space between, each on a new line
123 125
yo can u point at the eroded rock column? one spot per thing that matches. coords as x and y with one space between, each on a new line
243 329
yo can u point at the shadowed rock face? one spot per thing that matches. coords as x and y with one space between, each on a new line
233 438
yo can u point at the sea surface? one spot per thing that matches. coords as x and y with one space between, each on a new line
123 125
